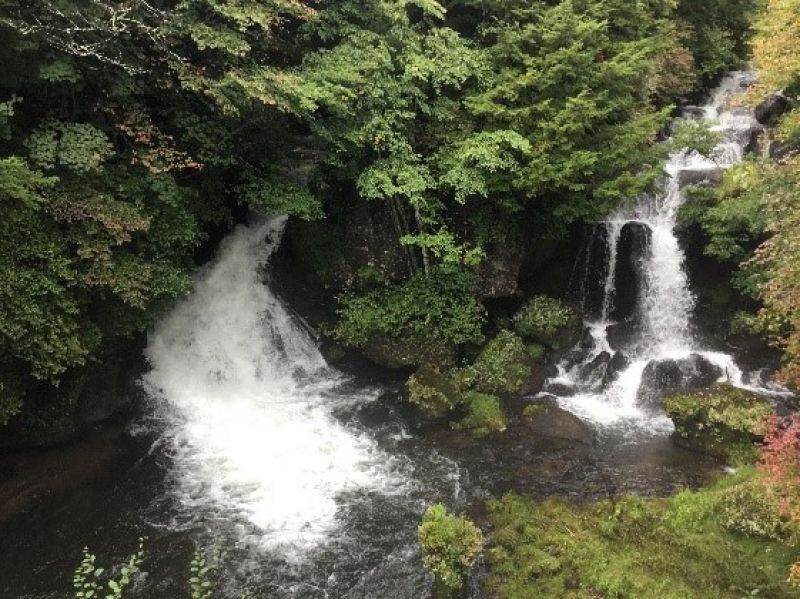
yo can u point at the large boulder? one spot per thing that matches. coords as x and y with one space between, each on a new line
721 420
667 376
772 108
548 420
87 395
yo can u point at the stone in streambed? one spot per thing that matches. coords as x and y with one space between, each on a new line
551 421
667 376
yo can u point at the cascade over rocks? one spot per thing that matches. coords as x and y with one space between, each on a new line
637 301
700 176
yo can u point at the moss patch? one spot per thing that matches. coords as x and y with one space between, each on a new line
432 391
409 352
502 367
721 420
484 415
638 548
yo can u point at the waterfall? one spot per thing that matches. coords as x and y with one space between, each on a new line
631 354
246 404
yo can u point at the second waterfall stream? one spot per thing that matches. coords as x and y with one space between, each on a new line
637 347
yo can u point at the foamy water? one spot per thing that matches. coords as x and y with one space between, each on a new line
246 402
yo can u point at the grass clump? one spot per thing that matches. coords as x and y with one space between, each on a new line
721 420
543 319
450 544
679 547
502 367
484 415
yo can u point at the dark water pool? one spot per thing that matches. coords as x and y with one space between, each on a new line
112 487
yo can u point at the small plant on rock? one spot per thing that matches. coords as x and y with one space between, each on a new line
450 545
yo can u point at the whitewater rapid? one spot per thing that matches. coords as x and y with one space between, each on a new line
246 403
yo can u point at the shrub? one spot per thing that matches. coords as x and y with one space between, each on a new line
749 508
502 367
794 574
721 420
450 544
780 460
543 318
437 306
484 415
432 391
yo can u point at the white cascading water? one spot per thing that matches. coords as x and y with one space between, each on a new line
246 403
665 300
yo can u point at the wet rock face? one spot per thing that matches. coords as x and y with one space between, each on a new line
668 376
497 275
771 109
618 362
622 335
85 397
594 268
632 248
597 368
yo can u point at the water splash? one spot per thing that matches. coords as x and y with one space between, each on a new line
246 401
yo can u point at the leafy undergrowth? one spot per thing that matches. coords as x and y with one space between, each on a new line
686 546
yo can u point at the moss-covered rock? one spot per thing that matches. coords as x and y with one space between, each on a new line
409 352
434 392
484 415
503 366
547 321
721 420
